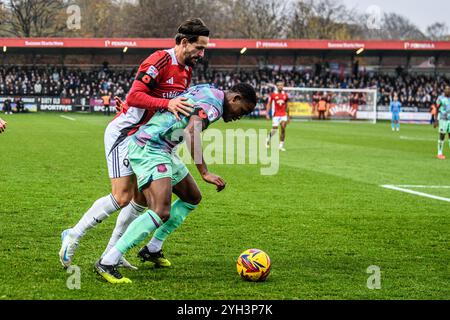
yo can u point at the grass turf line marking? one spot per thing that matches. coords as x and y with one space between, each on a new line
68 118
427 187
421 194
415 139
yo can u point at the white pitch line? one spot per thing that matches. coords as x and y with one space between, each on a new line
68 118
428 187
421 194
415 139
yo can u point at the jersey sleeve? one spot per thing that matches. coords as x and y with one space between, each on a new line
210 109
438 102
148 78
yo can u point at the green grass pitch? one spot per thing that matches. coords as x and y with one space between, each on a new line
323 219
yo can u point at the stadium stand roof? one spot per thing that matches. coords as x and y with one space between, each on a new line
258 44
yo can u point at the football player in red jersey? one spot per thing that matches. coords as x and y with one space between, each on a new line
2 125
278 104
160 79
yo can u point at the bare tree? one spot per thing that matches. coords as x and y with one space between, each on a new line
320 19
437 31
397 27
257 18
33 18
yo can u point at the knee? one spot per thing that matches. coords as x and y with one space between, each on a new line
123 199
195 199
163 213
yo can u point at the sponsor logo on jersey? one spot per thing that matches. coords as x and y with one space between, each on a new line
171 95
213 114
152 72
170 81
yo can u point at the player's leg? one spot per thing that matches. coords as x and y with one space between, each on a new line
444 128
189 196
441 145
101 209
158 194
275 124
283 135
127 215
122 185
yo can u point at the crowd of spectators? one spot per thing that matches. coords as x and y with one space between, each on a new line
64 82
413 90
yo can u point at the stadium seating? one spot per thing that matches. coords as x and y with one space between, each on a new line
418 91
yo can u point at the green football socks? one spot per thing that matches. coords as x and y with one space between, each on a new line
138 231
178 214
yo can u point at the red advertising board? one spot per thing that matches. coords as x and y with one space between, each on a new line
261 44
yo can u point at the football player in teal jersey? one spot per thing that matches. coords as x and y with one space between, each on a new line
443 105
160 172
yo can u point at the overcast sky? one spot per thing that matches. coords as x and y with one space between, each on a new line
421 12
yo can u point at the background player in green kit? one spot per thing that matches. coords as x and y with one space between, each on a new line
159 172
443 105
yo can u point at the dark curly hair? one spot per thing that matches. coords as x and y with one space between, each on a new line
246 91
191 29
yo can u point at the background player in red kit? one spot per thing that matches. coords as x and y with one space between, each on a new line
160 79
278 104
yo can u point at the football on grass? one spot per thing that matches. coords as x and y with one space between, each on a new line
253 265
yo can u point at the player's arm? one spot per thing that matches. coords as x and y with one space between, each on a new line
287 109
197 123
438 106
268 107
2 125
146 81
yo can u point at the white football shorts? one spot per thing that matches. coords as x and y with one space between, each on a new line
116 151
276 121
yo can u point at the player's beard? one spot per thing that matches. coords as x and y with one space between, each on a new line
191 61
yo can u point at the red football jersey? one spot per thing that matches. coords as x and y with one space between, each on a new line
159 79
171 78
279 103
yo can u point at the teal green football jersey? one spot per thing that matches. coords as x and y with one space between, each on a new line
443 104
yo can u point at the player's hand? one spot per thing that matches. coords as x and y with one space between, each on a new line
216 180
2 125
435 124
179 105
120 105
267 117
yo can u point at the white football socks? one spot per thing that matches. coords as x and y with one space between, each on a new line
100 210
112 258
126 216
155 245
